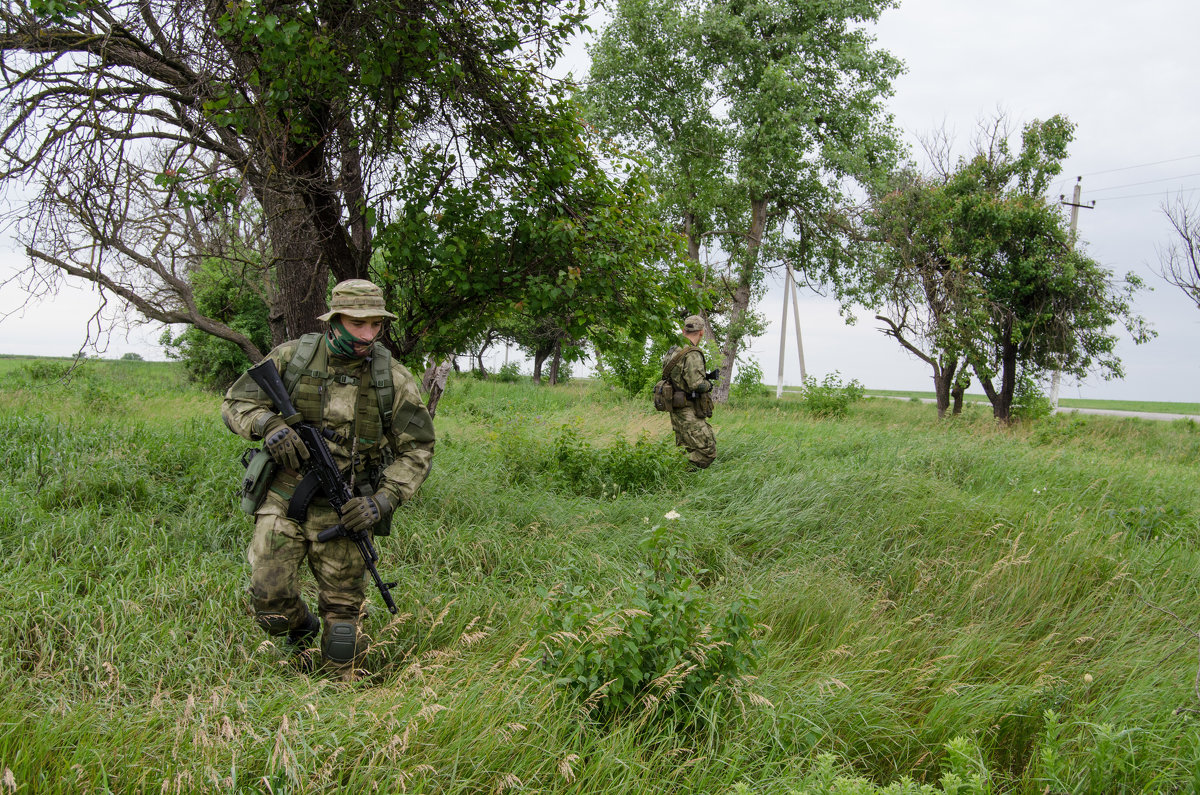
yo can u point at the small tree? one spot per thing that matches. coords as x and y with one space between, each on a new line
977 268
1179 261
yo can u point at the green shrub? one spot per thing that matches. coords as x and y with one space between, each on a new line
212 361
618 468
509 373
830 397
132 357
43 370
1029 402
748 381
664 646
632 366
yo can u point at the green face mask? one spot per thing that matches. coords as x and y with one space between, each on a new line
341 342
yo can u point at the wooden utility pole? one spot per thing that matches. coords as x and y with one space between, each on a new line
1074 204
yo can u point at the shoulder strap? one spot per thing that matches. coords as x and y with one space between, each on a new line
381 379
679 354
297 366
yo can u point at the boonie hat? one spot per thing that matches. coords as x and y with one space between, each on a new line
356 298
693 323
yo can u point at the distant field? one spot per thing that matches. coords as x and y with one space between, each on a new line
1112 405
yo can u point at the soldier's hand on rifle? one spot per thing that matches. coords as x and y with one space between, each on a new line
713 375
363 513
284 445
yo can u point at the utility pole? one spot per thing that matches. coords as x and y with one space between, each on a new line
789 288
1074 204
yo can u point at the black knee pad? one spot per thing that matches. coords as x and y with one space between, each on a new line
340 644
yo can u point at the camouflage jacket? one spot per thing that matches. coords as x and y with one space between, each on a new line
409 440
688 372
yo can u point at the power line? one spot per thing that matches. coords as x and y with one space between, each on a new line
1143 165
1147 182
1163 193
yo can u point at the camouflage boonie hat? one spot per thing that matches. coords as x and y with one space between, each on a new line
356 298
693 323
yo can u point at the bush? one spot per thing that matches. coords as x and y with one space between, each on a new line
41 370
617 469
632 366
830 397
1029 402
132 357
664 646
748 381
223 296
509 373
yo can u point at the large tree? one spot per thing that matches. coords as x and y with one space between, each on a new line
755 114
977 268
281 137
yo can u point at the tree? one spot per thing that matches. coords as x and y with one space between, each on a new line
1179 262
978 268
756 113
913 281
284 139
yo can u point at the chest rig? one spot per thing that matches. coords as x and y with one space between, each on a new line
306 377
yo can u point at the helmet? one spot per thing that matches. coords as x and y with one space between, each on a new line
693 323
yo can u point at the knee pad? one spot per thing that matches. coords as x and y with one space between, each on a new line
272 623
340 644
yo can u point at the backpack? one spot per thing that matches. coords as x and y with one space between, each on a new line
666 396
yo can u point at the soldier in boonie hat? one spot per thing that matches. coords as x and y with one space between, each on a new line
346 382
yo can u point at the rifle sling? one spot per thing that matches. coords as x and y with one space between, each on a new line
305 491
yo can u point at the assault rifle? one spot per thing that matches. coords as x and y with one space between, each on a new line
321 471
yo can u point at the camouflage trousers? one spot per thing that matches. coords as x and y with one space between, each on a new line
278 549
694 435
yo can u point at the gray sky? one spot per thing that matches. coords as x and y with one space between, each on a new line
1125 73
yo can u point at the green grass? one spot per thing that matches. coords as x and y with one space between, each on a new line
1015 604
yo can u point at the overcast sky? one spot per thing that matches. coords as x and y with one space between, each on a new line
1127 74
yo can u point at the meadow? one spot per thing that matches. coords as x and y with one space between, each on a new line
916 606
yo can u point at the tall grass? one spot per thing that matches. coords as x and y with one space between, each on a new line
1014 609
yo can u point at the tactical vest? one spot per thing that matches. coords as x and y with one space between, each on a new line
305 376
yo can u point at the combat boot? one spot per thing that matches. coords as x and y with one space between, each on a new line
300 641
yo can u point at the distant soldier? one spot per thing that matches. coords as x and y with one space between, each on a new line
692 403
381 437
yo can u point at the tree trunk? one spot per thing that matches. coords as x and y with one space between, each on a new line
555 361
741 299
301 275
539 358
434 384
941 389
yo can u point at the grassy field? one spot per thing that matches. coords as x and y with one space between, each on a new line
934 607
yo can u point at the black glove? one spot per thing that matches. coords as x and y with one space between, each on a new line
284 445
363 513
713 375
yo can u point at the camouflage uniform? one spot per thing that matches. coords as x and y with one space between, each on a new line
399 457
692 431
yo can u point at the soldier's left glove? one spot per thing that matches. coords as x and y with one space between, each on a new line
363 513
